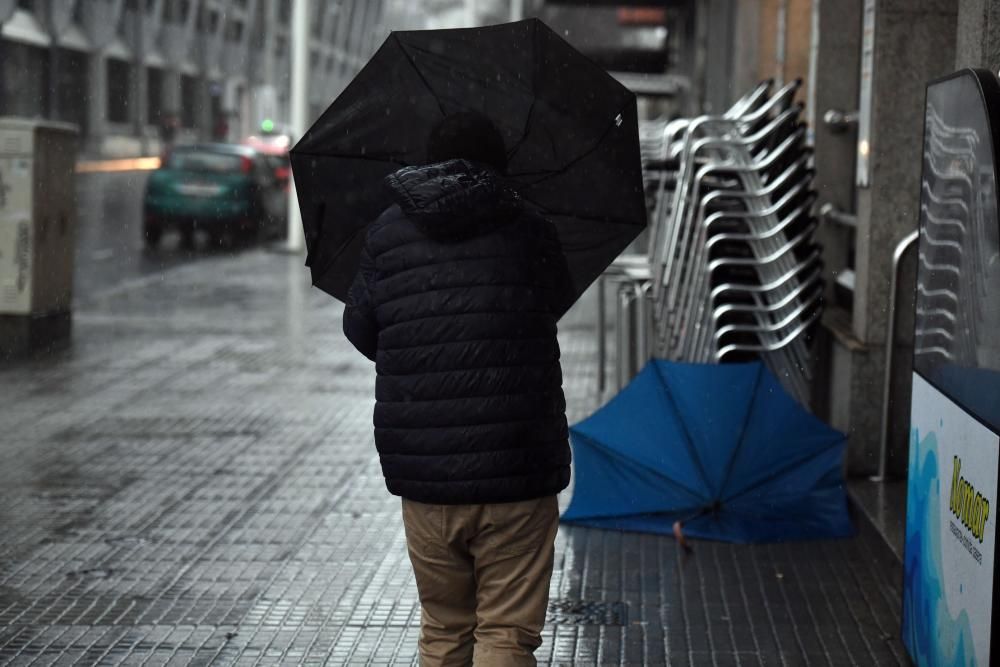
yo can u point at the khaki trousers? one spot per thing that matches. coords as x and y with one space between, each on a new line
483 576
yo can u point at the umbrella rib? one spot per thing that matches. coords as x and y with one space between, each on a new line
578 158
524 134
534 96
416 69
689 441
457 73
613 454
779 472
743 430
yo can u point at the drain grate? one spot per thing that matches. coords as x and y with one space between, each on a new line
565 611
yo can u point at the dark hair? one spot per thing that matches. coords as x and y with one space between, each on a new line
467 135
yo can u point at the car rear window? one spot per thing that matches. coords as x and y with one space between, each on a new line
201 160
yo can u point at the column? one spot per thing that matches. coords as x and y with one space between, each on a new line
299 104
889 207
833 86
97 101
140 83
53 89
746 45
978 35
345 18
721 15
262 100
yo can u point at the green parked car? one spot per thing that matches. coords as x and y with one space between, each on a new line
228 191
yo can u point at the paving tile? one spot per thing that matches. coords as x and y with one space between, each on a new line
194 482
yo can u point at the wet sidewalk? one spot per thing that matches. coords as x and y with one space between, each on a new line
195 482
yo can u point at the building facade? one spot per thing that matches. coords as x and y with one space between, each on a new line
126 71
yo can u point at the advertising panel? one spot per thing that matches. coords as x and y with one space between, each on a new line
950 532
950 582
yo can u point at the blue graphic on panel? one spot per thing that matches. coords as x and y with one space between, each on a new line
931 633
720 447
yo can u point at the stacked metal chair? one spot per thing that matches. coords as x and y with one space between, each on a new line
631 272
731 269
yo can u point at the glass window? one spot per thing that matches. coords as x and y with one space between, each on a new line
234 31
196 159
24 80
71 87
319 13
154 95
118 90
189 94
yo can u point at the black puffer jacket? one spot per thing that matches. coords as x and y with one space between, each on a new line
456 301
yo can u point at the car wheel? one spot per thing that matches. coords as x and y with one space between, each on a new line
228 236
221 239
151 236
257 224
187 237
252 233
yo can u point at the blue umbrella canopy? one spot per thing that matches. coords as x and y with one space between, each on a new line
721 448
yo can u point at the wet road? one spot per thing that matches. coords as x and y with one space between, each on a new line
194 482
109 245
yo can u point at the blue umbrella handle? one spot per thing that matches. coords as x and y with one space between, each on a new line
679 536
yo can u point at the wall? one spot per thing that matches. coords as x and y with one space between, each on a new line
888 209
785 35
977 42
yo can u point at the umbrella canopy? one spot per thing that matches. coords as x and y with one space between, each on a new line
570 129
721 448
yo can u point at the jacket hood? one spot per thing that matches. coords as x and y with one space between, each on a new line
454 199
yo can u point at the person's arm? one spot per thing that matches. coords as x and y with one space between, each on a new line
360 325
555 266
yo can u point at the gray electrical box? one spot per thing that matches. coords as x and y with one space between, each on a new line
37 232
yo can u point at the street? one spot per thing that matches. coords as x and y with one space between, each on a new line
109 248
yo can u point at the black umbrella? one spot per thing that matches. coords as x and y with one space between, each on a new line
570 129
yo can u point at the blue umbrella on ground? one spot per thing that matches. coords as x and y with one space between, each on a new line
720 448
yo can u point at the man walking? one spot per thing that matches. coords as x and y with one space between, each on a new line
456 300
